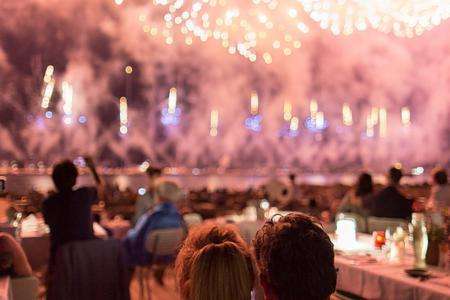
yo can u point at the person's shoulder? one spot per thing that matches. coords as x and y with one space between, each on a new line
51 199
86 189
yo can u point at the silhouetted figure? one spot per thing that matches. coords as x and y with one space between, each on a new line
390 202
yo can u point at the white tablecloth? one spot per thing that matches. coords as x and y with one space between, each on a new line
383 280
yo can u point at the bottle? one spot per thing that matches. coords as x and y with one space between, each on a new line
420 239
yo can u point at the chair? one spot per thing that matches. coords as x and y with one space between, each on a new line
26 288
361 222
163 245
192 219
381 224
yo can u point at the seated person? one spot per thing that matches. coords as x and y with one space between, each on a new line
215 263
145 202
295 259
13 261
68 211
390 202
164 216
357 200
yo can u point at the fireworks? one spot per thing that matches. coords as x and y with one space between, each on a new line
383 122
214 123
264 28
49 86
347 117
254 104
406 116
67 96
287 111
170 115
403 18
123 115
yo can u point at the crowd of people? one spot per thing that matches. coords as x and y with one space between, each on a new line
291 256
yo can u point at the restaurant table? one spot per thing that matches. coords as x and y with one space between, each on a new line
376 278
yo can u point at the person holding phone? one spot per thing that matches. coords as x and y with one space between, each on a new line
68 211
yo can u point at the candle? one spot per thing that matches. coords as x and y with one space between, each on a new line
379 239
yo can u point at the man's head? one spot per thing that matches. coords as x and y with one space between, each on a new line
296 259
395 175
153 174
64 175
168 191
292 177
439 176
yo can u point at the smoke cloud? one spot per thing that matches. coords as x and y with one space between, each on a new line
90 42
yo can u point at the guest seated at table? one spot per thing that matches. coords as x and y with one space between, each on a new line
390 202
215 263
164 216
13 261
295 259
357 200
68 212
145 202
440 192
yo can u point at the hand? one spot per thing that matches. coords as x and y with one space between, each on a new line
89 162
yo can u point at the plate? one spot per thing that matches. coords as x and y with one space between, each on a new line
417 272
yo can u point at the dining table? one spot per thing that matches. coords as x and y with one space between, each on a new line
369 273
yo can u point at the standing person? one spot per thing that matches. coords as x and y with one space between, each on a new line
296 259
145 202
215 263
68 211
390 202
357 200
440 192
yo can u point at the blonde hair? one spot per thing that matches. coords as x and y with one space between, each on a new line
215 263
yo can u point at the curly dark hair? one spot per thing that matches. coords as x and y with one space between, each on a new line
296 258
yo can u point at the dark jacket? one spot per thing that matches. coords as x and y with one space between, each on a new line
390 203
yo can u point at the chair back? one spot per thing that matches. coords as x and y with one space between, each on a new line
361 222
192 219
164 242
381 224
